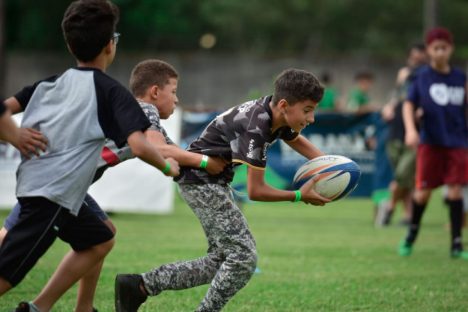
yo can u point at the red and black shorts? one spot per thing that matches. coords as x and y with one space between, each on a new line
437 165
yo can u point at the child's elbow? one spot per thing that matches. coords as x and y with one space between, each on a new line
254 194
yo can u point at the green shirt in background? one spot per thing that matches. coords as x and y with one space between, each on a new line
357 98
328 100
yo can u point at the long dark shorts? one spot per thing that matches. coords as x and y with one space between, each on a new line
13 217
40 223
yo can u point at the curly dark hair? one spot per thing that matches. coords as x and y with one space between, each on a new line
88 25
295 85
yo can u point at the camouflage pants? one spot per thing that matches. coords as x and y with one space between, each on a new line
232 255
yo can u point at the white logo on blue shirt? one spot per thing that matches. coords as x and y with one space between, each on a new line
443 95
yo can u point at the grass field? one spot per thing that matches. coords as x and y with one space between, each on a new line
311 259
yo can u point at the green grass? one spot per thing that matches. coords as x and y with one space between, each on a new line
311 259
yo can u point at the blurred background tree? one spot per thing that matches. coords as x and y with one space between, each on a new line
355 32
382 27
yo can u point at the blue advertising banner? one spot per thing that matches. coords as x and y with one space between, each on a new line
359 137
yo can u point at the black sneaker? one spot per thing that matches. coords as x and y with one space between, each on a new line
22 307
128 295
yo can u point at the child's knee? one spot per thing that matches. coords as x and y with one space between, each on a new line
422 196
244 260
252 259
111 226
104 248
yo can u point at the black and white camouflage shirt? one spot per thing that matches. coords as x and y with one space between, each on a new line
241 135
111 155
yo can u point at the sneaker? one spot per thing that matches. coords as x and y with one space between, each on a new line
22 307
128 295
405 248
459 254
384 215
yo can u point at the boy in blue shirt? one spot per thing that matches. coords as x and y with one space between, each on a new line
440 91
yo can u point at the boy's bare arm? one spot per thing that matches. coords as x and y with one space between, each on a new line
411 136
304 147
142 149
259 190
27 141
185 158
13 105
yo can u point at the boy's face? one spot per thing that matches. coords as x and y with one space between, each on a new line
299 115
166 99
417 58
364 84
439 51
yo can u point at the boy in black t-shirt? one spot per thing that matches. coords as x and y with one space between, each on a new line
76 111
239 135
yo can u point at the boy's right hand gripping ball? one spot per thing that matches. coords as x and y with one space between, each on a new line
335 176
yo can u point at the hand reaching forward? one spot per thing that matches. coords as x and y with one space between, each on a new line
174 171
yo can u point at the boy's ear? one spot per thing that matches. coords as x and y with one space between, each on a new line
109 46
154 90
282 105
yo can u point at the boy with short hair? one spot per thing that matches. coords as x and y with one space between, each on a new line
440 91
157 96
76 111
239 135
154 84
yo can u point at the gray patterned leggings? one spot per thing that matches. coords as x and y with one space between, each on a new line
232 255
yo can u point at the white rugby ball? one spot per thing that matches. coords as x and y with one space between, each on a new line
336 176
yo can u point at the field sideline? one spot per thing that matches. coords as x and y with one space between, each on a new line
311 259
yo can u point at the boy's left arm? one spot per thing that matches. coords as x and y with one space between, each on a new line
258 189
304 147
215 165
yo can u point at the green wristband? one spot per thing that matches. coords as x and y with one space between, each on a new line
298 196
204 162
167 168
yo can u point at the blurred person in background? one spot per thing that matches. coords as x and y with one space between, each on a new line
358 97
330 101
402 157
440 90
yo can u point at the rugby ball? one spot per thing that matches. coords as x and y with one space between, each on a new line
336 176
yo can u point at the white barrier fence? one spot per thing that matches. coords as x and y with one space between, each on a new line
132 186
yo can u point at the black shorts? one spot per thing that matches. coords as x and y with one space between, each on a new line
40 223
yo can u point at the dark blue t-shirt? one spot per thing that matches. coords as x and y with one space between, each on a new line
443 100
